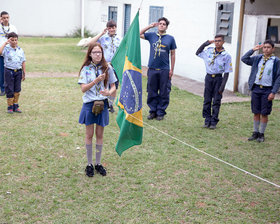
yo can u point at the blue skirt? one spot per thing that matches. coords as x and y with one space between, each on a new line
88 118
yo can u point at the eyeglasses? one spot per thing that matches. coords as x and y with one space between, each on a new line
96 52
218 41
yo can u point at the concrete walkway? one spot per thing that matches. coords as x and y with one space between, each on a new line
197 88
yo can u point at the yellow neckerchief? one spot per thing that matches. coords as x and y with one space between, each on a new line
98 85
159 44
5 32
112 42
265 59
215 55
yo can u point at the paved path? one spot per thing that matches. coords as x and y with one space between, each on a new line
183 83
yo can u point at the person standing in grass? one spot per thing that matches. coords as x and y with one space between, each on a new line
5 28
264 82
110 43
160 72
96 75
14 71
217 62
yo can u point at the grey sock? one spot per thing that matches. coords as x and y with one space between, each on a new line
98 152
89 153
256 126
263 127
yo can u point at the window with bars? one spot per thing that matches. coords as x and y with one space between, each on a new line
224 20
113 13
156 12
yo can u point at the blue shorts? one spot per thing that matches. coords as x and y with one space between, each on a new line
259 100
88 118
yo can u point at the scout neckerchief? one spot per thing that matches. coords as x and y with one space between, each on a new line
265 59
98 85
112 43
159 44
6 33
215 54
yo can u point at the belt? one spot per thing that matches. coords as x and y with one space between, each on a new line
263 87
15 70
215 75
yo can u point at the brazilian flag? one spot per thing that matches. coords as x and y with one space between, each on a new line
127 64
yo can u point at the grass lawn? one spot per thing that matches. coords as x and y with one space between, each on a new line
42 158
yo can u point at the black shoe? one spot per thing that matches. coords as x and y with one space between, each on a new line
111 109
261 137
100 169
254 136
212 126
152 116
89 170
206 126
2 93
159 118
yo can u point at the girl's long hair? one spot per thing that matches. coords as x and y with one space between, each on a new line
103 63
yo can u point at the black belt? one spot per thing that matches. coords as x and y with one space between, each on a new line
14 70
215 75
263 87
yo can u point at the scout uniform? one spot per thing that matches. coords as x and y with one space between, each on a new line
159 84
87 75
13 59
4 30
216 64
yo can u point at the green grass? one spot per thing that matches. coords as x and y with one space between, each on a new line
43 158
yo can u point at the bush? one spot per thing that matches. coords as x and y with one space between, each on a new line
77 33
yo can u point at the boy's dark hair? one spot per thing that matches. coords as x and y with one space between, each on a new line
111 23
12 34
220 36
164 19
4 13
269 42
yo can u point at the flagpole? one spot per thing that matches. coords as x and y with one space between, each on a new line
140 5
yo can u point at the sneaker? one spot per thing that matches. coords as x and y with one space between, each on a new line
89 170
212 126
2 93
254 136
152 116
10 110
111 109
16 108
100 169
206 126
261 137
159 118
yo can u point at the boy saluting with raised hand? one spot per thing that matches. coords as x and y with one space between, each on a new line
14 71
264 82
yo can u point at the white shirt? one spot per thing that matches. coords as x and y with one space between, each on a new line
7 29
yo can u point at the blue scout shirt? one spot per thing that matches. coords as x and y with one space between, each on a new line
222 63
13 58
266 79
159 49
110 45
87 75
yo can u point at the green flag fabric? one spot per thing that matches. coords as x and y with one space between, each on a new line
127 64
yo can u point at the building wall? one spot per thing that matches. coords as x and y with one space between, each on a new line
191 24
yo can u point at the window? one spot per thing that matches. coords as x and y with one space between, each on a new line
127 12
113 13
156 12
224 20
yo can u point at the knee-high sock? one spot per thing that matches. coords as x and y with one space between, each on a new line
16 97
256 126
89 153
263 127
10 101
98 154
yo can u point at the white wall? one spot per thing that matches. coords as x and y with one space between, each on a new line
43 17
192 22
